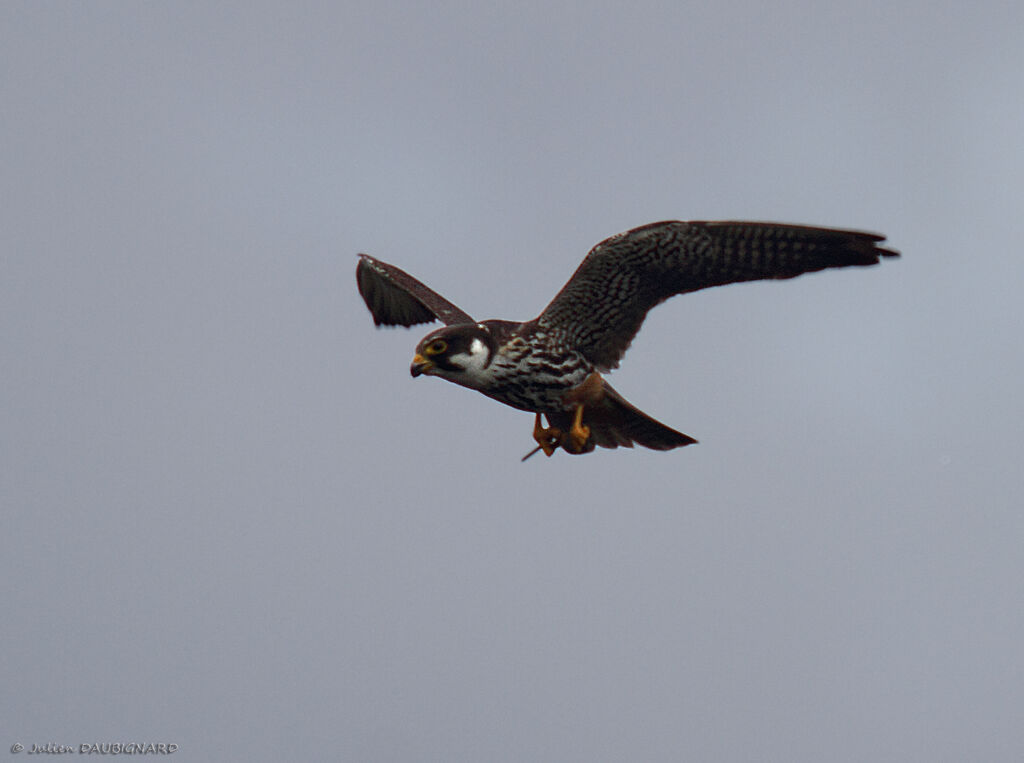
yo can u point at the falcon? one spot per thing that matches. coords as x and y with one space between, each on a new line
553 365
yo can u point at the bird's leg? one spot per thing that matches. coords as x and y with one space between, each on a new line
547 438
579 432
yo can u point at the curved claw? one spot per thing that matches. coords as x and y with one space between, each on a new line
578 433
548 438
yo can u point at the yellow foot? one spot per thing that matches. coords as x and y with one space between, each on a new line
547 438
579 432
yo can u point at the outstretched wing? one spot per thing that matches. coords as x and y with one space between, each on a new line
600 309
395 298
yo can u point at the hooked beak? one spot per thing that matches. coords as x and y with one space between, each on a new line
420 365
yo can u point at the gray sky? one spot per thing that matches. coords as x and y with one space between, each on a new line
231 521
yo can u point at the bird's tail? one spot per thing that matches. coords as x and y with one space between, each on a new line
614 422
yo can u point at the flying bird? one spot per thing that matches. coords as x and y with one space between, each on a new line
553 365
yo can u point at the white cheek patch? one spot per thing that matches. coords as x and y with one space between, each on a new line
473 362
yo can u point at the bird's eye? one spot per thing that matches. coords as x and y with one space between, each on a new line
437 347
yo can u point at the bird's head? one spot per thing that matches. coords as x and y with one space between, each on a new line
460 354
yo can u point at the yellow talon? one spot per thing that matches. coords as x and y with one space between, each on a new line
579 432
547 438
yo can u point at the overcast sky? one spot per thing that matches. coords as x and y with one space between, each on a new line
233 522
